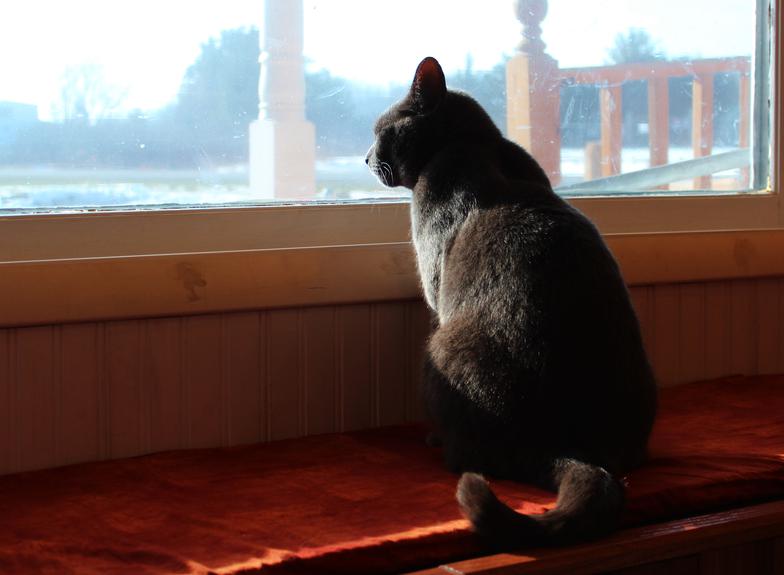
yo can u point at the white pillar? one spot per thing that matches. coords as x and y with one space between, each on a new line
282 142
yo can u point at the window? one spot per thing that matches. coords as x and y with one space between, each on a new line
249 251
674 96
158 105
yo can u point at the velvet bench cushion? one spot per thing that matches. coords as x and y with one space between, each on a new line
365 502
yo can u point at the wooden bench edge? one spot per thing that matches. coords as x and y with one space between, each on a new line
634 546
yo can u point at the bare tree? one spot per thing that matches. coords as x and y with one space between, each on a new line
86 96
636 45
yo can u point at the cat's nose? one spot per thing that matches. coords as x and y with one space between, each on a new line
367 159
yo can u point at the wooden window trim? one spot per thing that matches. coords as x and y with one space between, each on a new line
71 290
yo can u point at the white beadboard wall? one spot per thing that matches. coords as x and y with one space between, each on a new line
81 392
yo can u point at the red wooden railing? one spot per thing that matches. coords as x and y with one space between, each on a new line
534 82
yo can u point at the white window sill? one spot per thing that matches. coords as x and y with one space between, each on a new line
107 266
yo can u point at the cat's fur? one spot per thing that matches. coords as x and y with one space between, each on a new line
536 369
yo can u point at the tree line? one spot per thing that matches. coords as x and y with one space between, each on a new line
207 124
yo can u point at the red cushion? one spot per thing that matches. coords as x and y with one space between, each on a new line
372 501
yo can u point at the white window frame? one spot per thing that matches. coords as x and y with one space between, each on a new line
79 267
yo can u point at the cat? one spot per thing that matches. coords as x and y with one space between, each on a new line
536 369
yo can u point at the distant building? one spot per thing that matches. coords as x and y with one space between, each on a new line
14 117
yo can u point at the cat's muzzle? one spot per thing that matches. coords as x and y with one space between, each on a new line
382 170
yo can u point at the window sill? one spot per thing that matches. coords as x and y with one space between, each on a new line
138 270
168 232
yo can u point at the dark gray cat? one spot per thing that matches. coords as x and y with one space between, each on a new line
536 369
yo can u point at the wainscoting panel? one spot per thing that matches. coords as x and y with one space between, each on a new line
205 381
691 321
389 337
770 344
79 414
80 392
744 326
163 371
717 329
699 331
318 370
8 413
666 337
355 395
125 406
242 366
37 395
284 378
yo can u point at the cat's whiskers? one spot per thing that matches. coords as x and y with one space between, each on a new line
378 169
386 172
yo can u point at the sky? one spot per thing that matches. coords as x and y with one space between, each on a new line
145 46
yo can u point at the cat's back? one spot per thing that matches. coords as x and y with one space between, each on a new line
539 281
528 242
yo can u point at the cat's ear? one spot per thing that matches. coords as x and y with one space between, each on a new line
429 86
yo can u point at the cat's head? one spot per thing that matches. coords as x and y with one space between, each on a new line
413 130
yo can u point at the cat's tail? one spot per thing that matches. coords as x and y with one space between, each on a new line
589 505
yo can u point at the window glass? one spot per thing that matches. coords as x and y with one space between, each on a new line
116 104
